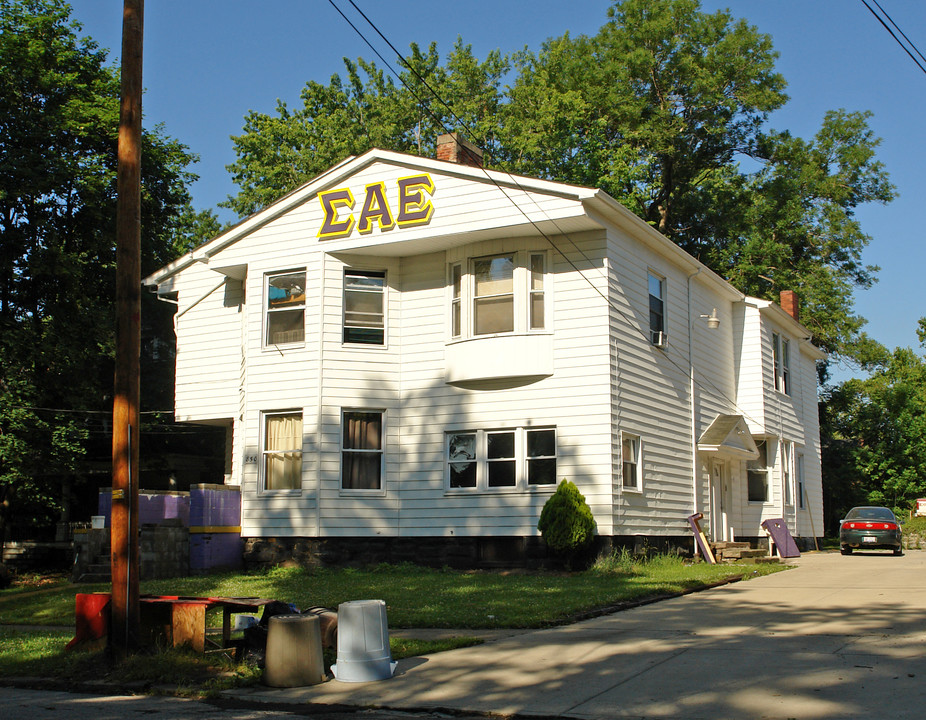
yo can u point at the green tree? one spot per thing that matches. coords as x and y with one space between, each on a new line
58 137
348 116
665 108
875 436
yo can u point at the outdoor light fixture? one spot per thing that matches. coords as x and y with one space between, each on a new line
713 322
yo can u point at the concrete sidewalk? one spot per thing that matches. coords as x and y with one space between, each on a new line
836 637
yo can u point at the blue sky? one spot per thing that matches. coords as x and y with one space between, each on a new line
208 62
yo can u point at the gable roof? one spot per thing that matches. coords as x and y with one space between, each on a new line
729 435
594 208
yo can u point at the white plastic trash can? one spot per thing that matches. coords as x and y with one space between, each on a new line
363 642
294 651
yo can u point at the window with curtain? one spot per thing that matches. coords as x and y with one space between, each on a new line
630 462
362 450
283 451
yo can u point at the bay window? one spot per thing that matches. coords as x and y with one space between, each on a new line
498 294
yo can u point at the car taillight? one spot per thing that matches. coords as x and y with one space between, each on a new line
856 525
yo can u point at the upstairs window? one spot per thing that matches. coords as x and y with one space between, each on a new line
493 295
282 451
657 309
285 308
781 361
537 273
364 307
498 294
631 474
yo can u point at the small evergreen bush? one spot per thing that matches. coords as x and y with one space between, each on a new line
566 522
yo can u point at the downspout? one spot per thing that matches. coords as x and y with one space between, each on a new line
691 398
318 398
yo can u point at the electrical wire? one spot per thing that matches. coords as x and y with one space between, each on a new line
639 330
893 35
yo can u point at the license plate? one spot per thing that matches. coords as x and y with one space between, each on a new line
869 538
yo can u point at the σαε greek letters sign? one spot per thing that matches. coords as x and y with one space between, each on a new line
413 207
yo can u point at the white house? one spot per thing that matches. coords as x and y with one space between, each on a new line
412 349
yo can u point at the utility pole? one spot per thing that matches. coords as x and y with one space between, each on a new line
124 518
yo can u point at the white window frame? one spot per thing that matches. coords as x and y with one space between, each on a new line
657 330
781 363
529 292
787 471
635 465
762 443
481 462
382 293
266 452
268 311
381 451
799 476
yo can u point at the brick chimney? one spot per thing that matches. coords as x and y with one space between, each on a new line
453 148
790 303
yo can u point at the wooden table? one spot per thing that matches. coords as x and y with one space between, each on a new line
182 620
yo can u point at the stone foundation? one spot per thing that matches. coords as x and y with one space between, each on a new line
456 552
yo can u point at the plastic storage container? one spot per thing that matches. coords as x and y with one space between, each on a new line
294 651
363 642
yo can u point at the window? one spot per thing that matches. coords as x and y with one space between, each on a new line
799 471
364 315
498 294
657 308
786 472
515 459
456 302
630 462
282 451
500 459
541 457
493 295
461 459
537 272
781 361
285 308
757 474
362 450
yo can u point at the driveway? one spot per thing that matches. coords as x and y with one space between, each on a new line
834 637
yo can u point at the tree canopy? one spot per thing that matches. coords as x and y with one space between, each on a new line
874 433
666 108
59 109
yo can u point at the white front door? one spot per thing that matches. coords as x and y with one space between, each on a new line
720 502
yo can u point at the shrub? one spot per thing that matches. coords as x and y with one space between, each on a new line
566 521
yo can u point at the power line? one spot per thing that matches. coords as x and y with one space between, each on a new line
639 330
893 35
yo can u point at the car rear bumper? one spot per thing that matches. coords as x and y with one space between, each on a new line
873 539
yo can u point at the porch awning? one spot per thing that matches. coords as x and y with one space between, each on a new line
729 435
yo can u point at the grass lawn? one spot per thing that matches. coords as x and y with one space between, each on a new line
415 597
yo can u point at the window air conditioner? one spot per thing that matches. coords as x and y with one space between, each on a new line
659 338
